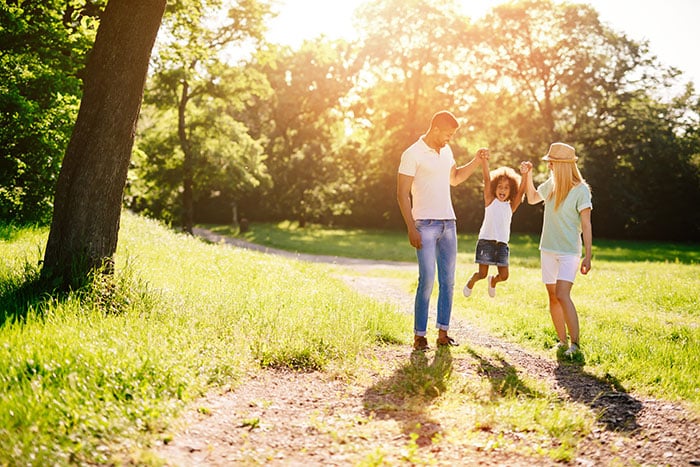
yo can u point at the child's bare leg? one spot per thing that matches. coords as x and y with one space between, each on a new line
502 276
481 274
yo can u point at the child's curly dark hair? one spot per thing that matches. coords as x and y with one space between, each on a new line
508 174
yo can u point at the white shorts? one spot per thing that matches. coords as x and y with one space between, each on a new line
558 267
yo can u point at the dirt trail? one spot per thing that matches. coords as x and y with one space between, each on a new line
288 418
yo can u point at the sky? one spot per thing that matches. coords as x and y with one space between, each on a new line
670 26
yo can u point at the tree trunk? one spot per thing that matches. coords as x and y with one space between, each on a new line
90 186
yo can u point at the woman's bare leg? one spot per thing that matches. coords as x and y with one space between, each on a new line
557 312
563 294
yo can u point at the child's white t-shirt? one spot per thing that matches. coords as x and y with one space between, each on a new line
496 225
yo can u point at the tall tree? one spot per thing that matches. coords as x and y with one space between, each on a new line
304 126
558 60
230 163
88 200
644 167
190 67
567 76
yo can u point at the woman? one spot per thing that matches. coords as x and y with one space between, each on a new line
567 215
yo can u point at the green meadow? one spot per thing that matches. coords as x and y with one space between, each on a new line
98 375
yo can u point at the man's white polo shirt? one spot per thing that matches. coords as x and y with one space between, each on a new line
431 183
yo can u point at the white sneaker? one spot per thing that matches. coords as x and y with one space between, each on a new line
571 351
492 290
561 346
466 290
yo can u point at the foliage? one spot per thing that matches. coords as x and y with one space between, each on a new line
312 170
557 73
43 47
645 169
315 134
196 91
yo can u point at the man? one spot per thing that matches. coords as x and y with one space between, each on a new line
426 172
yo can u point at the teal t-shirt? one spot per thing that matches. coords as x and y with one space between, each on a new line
561 229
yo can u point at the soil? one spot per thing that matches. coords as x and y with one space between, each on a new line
278 417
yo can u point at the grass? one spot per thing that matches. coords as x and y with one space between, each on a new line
391 245
96 376
82 373
638 307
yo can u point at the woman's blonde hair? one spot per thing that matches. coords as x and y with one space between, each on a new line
566 176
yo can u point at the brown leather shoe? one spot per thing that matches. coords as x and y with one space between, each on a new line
420 343
446 340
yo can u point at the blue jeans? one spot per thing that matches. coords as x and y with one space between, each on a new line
438 245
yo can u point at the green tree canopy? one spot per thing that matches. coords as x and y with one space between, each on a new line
197 91
43 48
304 127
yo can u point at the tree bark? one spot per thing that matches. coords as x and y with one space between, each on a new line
90 186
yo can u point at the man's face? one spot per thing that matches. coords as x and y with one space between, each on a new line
444 136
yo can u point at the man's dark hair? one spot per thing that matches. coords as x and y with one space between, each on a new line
444 119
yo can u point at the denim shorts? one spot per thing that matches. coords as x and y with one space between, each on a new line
492 252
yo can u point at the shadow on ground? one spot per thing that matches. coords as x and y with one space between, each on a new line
617 410
409 391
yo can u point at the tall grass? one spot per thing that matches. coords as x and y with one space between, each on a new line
117 360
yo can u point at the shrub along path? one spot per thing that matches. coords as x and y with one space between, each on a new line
279 417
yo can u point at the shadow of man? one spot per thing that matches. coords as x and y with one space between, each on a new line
406 395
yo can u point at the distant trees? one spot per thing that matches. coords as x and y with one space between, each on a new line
303 126
315 134
644 166
193 93
530 73
571 78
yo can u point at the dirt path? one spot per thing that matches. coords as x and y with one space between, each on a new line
288 418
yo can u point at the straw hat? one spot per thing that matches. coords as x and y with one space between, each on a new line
560 152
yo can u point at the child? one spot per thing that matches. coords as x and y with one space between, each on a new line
503 193
567 215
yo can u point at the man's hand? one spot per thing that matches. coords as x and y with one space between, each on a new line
415 238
